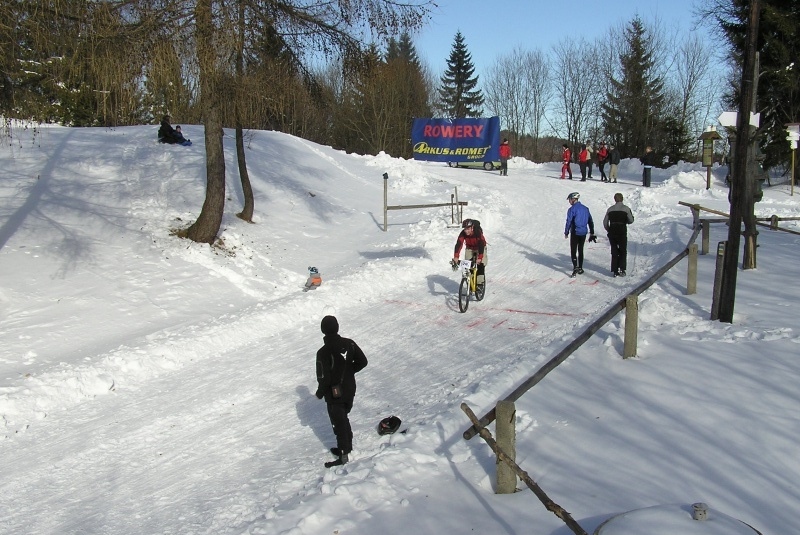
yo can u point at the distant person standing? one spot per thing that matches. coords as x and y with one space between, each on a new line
616 221
589 160
614 158
602 158
505 155
566 158
584 160
338 361
648 160
579 223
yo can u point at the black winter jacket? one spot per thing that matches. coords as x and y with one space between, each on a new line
338 361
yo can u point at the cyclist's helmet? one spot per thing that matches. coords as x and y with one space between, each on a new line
574 195
468 223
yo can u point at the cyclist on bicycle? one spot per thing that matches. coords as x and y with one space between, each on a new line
474 241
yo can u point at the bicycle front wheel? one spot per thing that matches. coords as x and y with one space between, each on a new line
463 295
480 290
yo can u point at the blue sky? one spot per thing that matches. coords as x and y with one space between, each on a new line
530 24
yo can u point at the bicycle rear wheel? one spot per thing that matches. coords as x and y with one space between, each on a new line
463 295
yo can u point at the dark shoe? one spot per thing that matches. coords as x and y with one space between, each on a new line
580 271
614 273
583 180
621 273
574 272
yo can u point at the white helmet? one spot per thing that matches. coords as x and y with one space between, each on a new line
574 195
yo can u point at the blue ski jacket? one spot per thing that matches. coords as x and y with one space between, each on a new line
578 219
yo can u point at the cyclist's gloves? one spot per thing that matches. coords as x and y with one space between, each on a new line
593 238
454 265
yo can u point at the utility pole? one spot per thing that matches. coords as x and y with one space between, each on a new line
742 186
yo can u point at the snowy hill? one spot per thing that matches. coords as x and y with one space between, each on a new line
153 385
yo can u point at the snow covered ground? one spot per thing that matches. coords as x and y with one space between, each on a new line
149 384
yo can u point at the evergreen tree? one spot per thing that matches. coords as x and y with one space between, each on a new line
778 88
457 92
633 109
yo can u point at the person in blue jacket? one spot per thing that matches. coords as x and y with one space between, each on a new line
579 223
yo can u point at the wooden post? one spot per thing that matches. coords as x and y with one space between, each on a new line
706 233
506 440
695 215
459 207
385 201
718 280
691 282
631 326
773 222
549 504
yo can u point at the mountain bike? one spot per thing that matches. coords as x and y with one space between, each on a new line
469 284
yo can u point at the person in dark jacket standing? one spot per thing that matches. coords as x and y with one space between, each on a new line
616 222
648 160
579 223
338 361
614 158
505 155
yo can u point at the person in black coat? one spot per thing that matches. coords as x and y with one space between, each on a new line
618 217
167 134
338 361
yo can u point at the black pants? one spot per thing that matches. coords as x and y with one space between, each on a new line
646 177
576 249
602 166
504 166
338 412
582 165
619 252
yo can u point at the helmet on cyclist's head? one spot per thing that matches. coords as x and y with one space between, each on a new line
574 195
468 223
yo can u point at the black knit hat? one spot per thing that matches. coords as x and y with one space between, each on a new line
329 325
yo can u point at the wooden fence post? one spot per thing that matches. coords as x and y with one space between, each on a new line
691 282
631 326
385 201
506 440
706 232
718 280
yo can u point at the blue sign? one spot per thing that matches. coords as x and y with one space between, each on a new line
456 140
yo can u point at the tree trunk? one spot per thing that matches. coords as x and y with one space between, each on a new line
205 229
741 191
247 189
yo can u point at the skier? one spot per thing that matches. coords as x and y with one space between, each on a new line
338 361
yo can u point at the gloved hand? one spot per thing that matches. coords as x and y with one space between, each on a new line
480 259
593 238
454 264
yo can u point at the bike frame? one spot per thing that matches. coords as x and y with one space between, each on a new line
469 271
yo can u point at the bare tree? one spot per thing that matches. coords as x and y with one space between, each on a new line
573 89
519 92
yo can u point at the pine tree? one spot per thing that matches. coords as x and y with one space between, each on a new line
778 91
457 92
633 108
